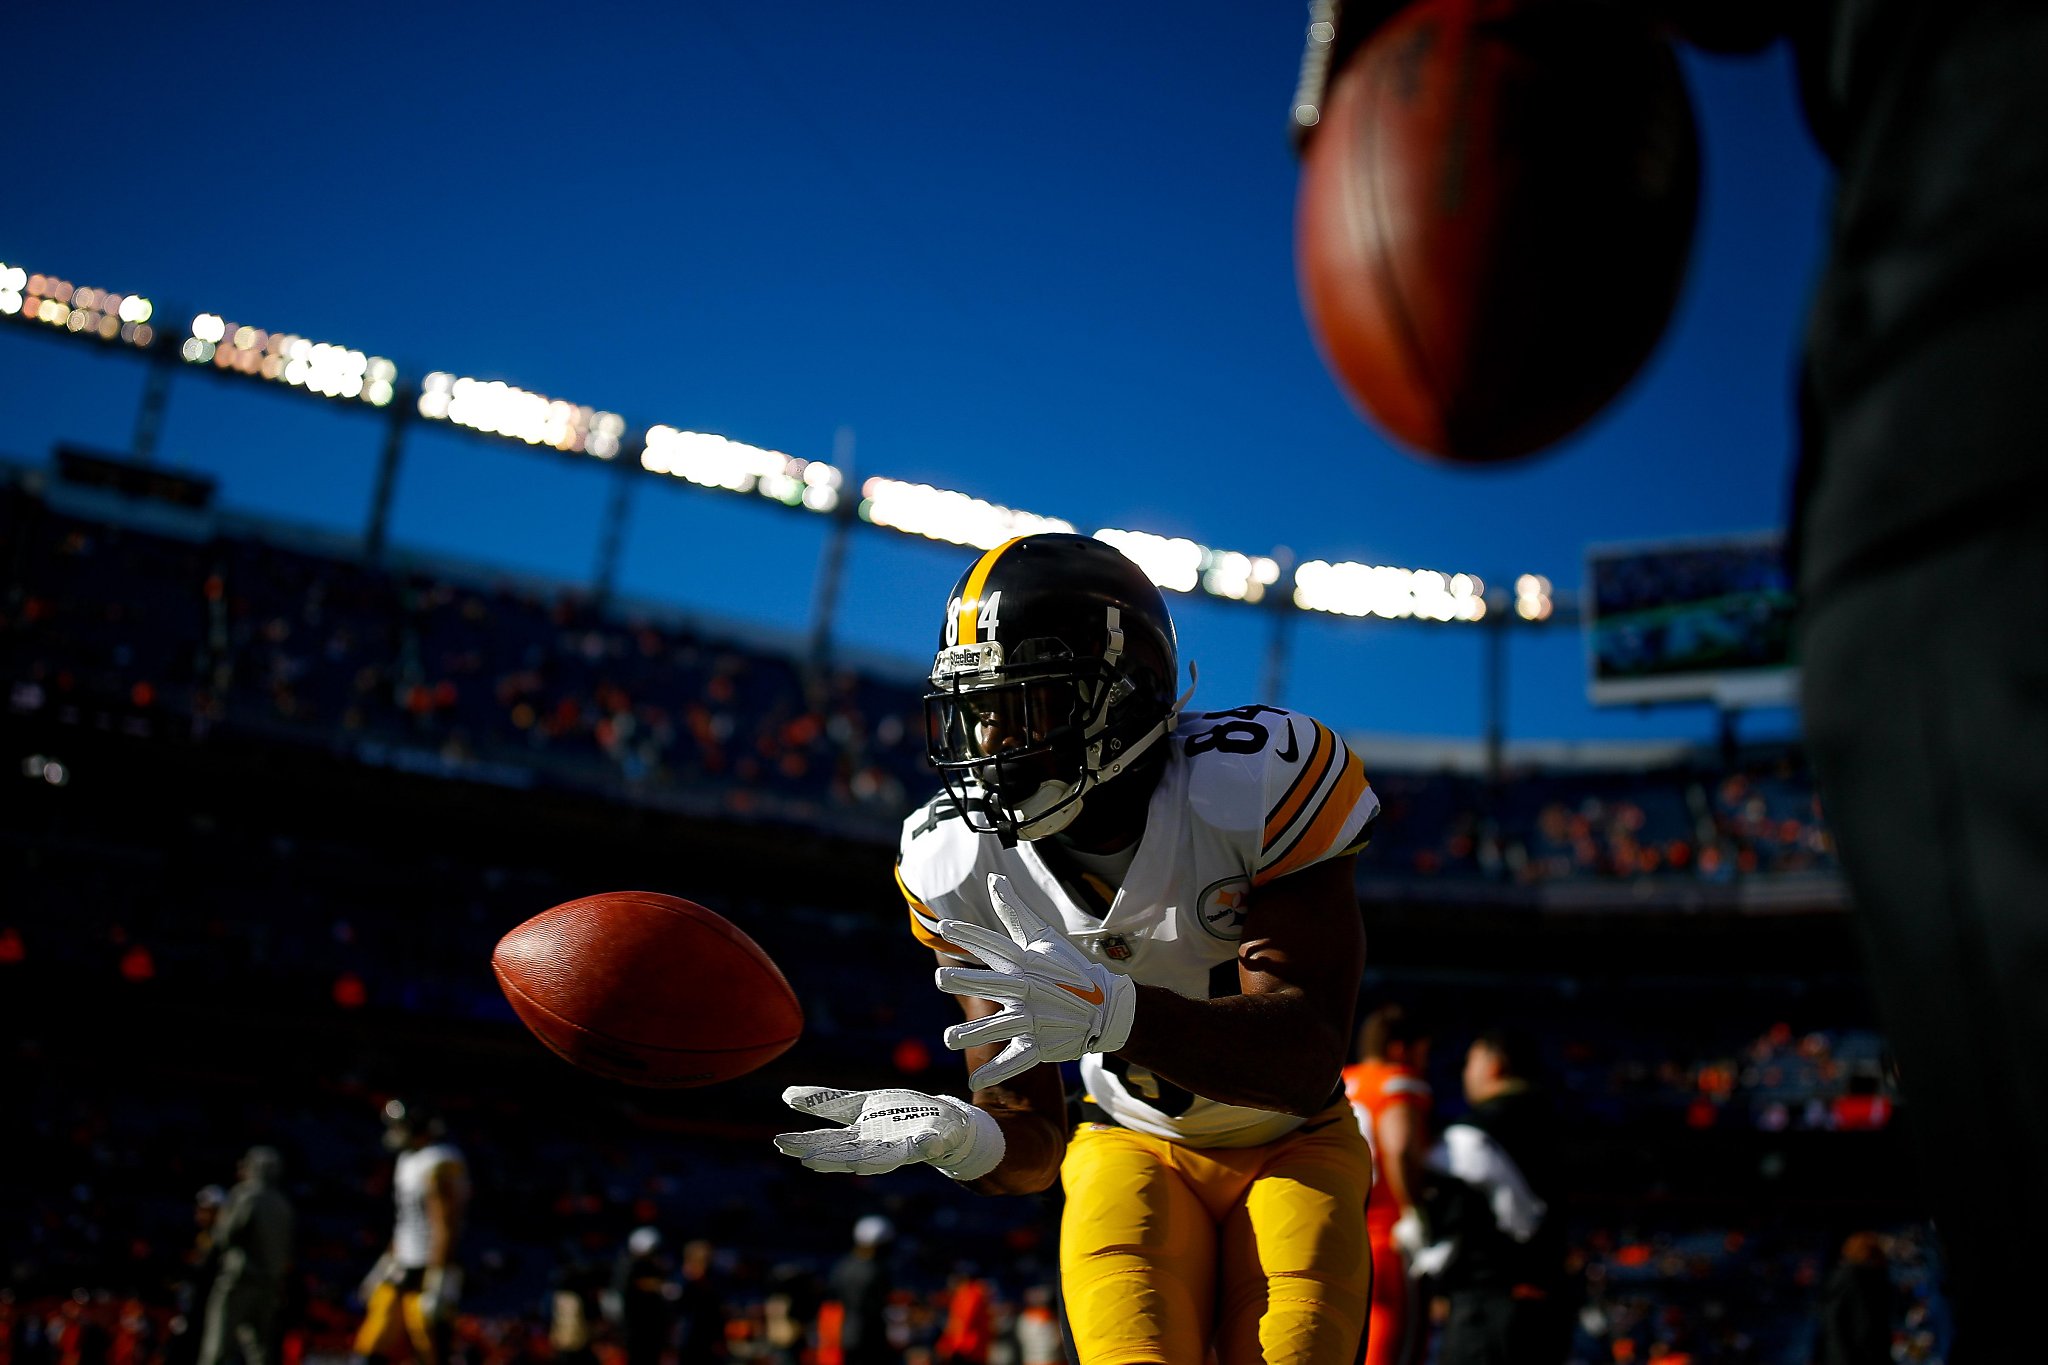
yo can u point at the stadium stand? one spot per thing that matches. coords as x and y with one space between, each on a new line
227 623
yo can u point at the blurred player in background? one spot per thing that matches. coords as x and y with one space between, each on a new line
641 1301
202 1263
252 1247
969 1333
1038 1329
1388 1092
700 1305
1858 1306
409 1296
860 1285
788 1312
575 1309
1167 899
1492 1200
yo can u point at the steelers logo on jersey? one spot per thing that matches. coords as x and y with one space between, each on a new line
1223 905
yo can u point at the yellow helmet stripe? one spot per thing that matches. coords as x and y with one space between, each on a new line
969 605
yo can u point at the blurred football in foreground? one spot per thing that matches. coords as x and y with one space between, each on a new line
1494 216
647 989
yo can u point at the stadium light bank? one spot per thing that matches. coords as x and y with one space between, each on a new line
492 408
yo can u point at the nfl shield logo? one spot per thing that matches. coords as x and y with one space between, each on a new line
1115 947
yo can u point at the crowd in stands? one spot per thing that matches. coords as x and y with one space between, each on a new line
479 675
1730 1295
1706 824
482 676
295 913
1833 1079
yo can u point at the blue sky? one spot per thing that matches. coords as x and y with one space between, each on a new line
1041 255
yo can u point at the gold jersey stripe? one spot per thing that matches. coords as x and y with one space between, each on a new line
924 924
1304 786
1330 818
969 605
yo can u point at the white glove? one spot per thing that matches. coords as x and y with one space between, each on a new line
890 1128
384 1272
440 1287
1409 1236
1056 1003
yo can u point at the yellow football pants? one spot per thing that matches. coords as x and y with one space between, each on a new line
393 1316
1260 1252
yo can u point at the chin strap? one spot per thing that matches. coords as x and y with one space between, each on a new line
1097 776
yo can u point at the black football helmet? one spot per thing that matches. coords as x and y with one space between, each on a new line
407 1119
1055 674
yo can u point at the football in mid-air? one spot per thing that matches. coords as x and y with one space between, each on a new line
1494 216
647 989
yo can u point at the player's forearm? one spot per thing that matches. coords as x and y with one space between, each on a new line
1031 1110
1398 1140
1268 1051
1404 1177
1033 1146
440 1241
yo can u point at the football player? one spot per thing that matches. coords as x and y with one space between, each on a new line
409 1295
1165 898
1388 1092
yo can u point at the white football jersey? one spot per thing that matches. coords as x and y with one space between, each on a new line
413 1176
1246 796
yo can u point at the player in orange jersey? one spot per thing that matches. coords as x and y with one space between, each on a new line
1392 1100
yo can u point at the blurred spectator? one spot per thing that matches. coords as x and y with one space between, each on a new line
1493 1206
970 1321
253 1240
642 1299
1391 1097
702 1306
790 1310
195 1285
1038 1329
574 1313
1857 1306
861 1283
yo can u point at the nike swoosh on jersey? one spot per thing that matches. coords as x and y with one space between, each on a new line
1290 753
1093 995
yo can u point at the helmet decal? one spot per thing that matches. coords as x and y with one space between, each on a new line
970 617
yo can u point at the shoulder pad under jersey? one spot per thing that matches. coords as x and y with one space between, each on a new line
1279 783
934 860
